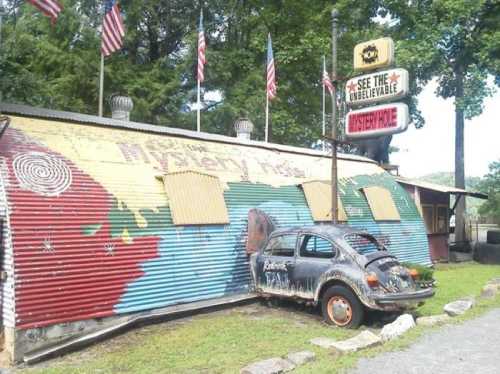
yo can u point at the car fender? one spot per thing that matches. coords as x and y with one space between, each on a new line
351 277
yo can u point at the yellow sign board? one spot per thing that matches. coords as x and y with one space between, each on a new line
374 54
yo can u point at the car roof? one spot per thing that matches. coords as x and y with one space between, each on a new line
321 229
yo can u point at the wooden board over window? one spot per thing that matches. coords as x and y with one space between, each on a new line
319 198
195 199
381 204
428 216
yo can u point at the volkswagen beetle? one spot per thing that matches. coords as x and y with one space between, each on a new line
344 270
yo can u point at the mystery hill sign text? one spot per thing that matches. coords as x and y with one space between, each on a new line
375 87
377 121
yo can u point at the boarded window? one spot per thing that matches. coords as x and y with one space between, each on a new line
436 218
319 199
195 199
442 219
428 216
381 204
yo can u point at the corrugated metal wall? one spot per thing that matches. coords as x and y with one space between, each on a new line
93 234
210 261
407 238
7 257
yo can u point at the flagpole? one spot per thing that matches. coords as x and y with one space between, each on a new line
101 86
324 103
198 119
267 118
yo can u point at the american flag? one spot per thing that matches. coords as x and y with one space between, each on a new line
271 75
113 30
50 8
327 81
201 50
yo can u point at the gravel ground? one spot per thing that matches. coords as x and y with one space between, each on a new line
472 347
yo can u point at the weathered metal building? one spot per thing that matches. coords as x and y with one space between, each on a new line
106 219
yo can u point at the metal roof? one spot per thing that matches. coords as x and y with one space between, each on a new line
440 188
86 119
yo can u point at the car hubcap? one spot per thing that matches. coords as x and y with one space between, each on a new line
339 310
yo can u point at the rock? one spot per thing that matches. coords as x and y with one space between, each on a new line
433 320
402 324
300 358
323 342
364 339
495 281
489 291
273 365
458 307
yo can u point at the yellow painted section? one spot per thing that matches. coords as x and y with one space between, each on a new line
128 163
319 199
195 199
374 54
381 204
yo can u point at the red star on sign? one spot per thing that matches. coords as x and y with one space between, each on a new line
394 78
352 87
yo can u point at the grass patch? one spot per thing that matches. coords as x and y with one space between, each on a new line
224 342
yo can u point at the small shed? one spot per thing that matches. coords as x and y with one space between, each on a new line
433 202
109 221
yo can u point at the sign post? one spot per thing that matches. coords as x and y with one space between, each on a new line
335 15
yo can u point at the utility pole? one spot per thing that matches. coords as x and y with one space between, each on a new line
335 15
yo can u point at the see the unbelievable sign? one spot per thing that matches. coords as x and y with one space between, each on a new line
377 121
380 86
374 54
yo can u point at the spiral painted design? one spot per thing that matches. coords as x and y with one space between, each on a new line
42 173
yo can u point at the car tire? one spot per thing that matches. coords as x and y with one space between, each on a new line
493 237
350 308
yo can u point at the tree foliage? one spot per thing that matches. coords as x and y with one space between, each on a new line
57 67
490 184
455 41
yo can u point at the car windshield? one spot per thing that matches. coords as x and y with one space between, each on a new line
363 243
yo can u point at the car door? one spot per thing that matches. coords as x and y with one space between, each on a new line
275 265
315 256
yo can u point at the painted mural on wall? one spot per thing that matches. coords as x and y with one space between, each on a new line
93 234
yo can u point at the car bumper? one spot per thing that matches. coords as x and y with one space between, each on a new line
403 298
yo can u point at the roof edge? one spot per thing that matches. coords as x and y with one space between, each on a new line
440 188
86 119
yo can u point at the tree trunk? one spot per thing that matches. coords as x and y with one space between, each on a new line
459 158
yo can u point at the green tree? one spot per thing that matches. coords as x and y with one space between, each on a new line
57 67
456 42
490 184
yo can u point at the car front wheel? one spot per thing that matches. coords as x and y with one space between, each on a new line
341 307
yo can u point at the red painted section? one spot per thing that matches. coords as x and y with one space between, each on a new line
63 274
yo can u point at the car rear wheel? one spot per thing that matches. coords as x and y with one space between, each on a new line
341 307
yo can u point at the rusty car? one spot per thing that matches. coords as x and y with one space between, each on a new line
346 271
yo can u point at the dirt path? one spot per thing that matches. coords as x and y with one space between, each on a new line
472 347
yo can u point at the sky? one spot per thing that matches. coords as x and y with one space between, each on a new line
432 148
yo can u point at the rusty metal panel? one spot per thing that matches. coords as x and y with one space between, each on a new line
195 198
260 226
381 204
318 196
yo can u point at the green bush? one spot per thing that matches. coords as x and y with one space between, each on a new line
426 273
